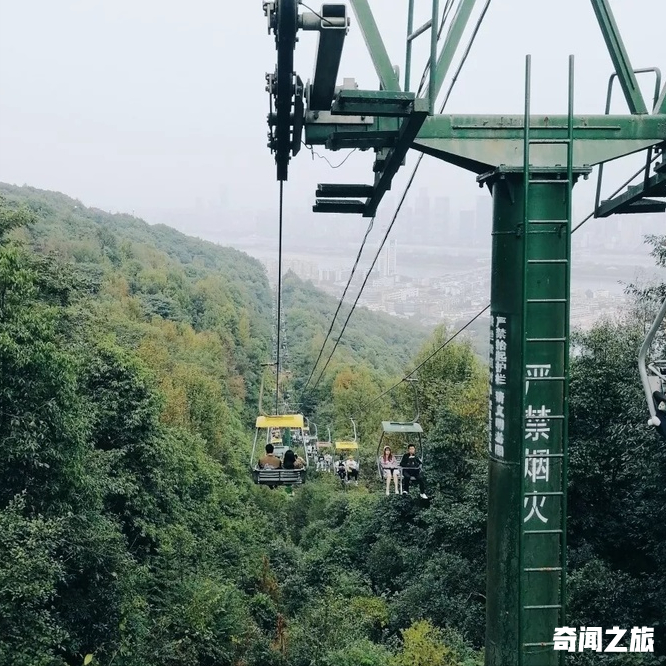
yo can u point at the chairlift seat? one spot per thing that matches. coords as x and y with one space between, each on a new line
401 427
278 477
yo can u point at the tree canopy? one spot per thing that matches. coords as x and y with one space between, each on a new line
131 533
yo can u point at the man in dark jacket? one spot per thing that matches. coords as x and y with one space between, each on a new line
411 471
270 460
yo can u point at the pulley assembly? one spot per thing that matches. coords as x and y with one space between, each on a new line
285 88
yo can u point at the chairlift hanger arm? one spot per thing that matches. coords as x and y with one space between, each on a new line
642 356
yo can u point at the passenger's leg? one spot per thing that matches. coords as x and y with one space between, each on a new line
406 478
387 475
396 481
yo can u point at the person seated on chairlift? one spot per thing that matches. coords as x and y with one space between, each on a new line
289 460
660 407
341 470
270 460
389 465
351 468
411 471
299 463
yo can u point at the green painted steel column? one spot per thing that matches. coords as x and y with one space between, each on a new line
527 416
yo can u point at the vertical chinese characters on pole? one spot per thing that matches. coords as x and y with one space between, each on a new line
498 373
491 371
537 460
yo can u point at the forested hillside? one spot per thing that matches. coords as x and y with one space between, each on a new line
131 533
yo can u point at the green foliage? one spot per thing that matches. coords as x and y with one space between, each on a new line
131 535
29 575
358 653
423 645
617 497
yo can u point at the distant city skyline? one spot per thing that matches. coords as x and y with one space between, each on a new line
439 220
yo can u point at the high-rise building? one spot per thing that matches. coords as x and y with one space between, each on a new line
388 259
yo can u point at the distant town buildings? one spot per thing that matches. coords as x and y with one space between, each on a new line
435 265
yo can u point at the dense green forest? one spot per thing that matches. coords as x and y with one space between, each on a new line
131 533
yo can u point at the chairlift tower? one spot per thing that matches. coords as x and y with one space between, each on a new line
530 163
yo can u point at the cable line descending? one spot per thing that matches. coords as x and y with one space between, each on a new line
342 298
400 204
478 314
279 299
446 12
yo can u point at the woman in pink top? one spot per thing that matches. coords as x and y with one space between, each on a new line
391 469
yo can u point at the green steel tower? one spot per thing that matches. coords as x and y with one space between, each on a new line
530 163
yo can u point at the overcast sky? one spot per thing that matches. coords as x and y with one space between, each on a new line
138 105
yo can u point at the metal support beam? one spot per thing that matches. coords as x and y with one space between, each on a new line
480 143
660 106
408 130
451 43
618 54
419 31
388 79
408 49
434 30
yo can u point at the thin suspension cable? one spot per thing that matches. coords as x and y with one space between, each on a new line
430 356
372 265
446 12
477 315
406 190
279 299
342 298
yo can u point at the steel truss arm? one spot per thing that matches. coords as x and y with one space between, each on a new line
619 56
451 43
660 106
373 40
480 142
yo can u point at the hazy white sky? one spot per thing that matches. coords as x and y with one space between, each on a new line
147 104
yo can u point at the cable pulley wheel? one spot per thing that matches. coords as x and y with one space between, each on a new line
284 88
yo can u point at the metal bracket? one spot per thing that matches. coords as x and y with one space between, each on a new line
328 118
